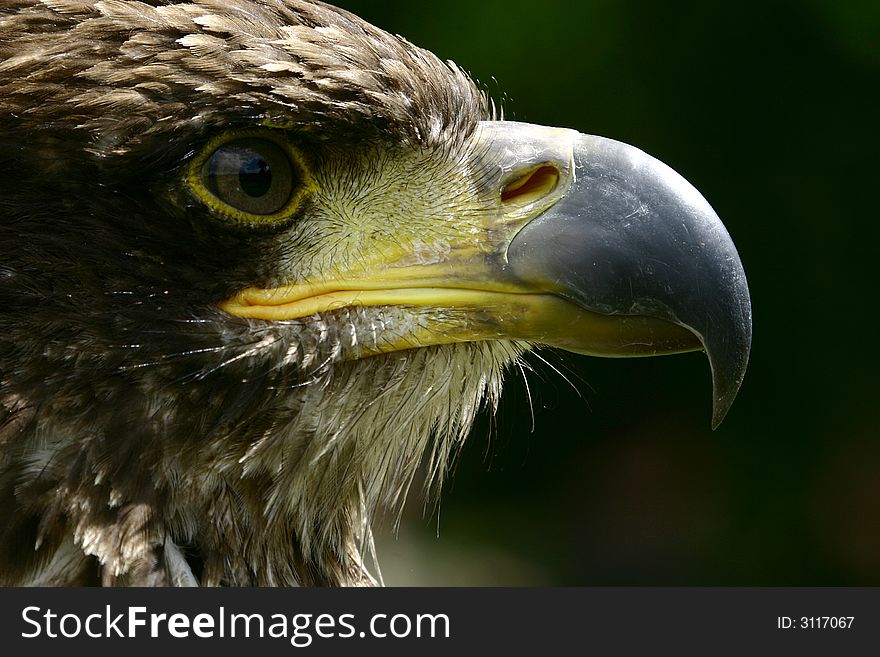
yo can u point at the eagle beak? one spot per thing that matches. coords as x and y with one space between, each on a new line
630 237
595 247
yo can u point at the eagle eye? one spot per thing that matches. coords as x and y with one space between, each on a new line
254 179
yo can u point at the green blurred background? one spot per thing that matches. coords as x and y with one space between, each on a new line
769 108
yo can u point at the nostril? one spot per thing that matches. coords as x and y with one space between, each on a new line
531 186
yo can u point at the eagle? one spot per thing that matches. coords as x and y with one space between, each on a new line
262 263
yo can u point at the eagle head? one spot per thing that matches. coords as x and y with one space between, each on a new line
260 259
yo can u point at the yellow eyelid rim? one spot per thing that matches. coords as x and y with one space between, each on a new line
297 161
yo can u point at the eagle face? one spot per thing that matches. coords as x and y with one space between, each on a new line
259 259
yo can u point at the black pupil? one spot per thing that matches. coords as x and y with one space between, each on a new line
255 176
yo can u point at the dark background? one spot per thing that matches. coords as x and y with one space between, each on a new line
769 109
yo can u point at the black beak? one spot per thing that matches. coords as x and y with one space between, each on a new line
632 237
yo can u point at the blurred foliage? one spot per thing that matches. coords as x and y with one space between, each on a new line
769 109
